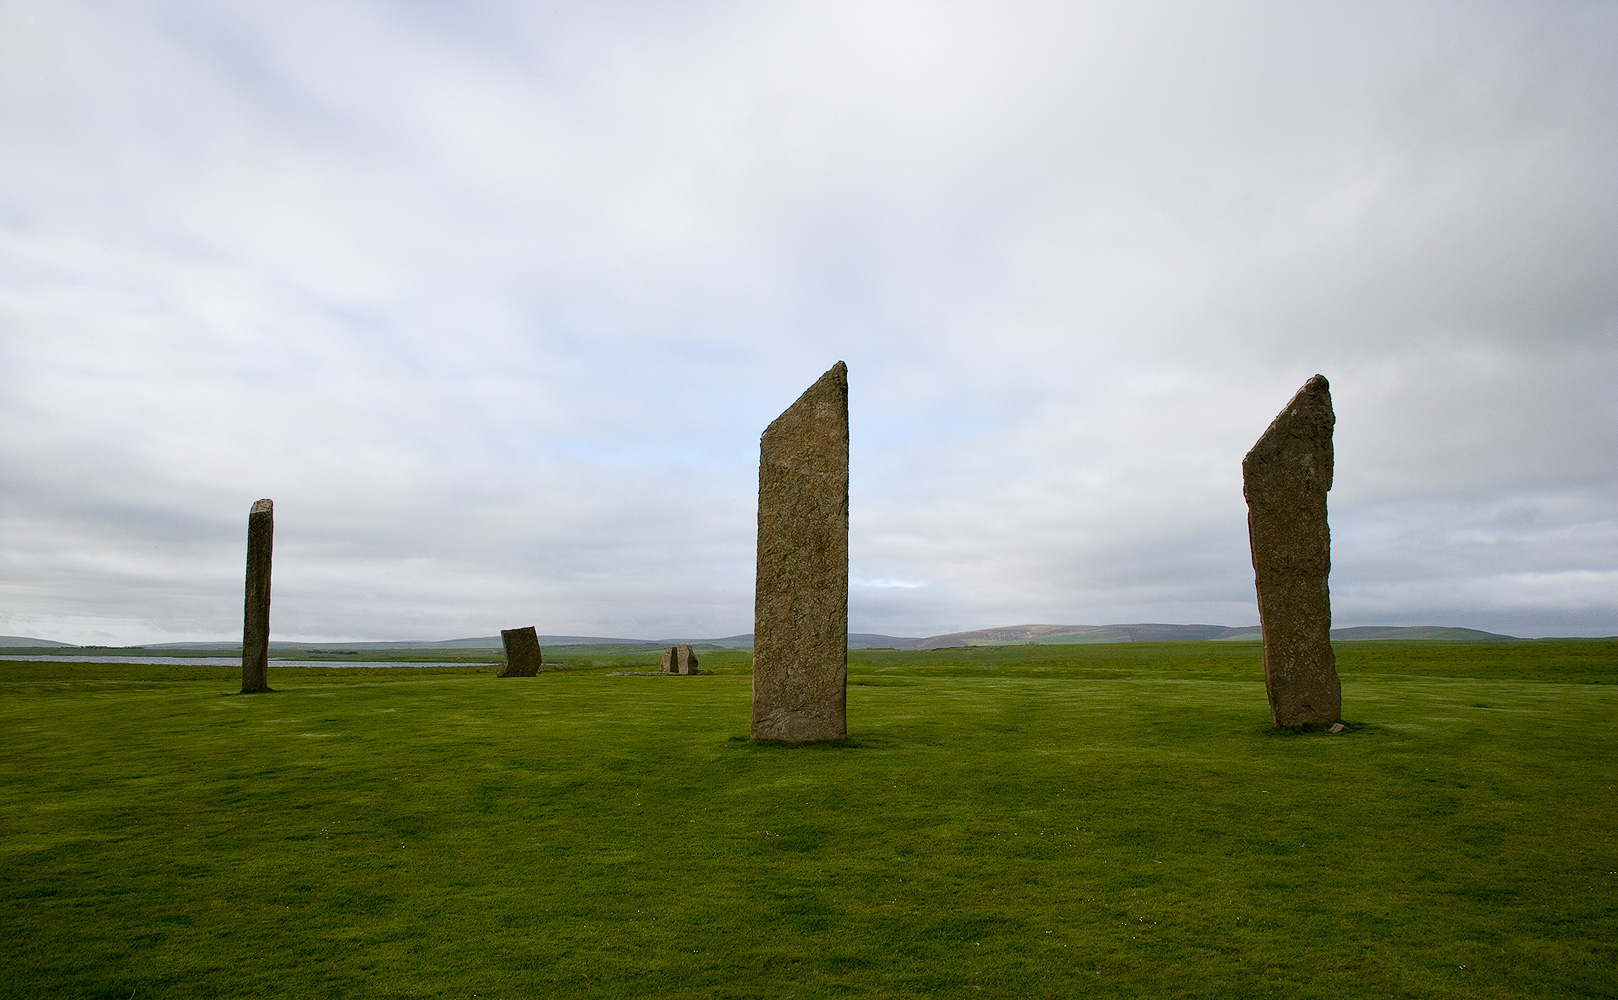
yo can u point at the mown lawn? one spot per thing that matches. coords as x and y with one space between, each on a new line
1059 821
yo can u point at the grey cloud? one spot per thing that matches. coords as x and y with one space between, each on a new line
495 306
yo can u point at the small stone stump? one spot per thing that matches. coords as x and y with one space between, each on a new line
800 604
523 655
1285 478
256 603
678 660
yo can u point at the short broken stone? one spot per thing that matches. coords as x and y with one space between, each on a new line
523 655
680 660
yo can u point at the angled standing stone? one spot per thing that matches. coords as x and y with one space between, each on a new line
523 655
256 605
800 603
1285 478
667 664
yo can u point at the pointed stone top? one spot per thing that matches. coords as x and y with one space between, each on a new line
1300 436
835 379
1315 392
264 506
822 410
836 375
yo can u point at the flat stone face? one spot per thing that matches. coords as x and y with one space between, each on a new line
523 656
679 660
256 605
1285 478
800 606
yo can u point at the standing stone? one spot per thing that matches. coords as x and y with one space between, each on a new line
256 606
800 603
678 660
523 655
1285 478
685 661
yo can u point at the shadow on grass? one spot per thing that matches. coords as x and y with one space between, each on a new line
747 742
1325 729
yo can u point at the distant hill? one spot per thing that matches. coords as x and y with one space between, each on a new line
23 640
479 642
1002 636
873 640
1418 632
1053 634
856 640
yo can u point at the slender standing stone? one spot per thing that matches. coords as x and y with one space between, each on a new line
1285 478
256 606
666 666
800 603
523 655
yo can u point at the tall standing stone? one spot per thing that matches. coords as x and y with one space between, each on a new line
523 655
1285 479
800 603
256 605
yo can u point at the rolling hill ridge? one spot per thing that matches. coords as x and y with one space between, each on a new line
1004 635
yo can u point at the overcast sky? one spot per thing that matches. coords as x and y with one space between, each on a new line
495 299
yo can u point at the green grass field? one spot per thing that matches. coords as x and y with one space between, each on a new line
1041 821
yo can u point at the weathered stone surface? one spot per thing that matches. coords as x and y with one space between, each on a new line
1285 478
256 605
679 660
800 605
523 656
